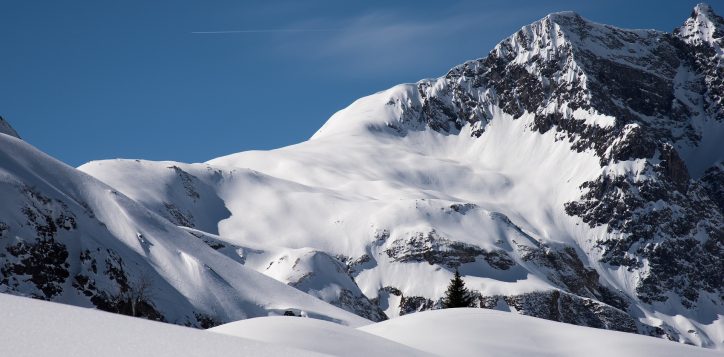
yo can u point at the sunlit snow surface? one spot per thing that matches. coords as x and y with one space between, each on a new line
38 328
188 275
478 332
334 194
457 332
33 328
354 181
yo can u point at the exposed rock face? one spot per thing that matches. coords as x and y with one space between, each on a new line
565 269
713 183
703 34
560 306
40 266
406 304
551 305
128 295
411 304
435 250
582 299
43 260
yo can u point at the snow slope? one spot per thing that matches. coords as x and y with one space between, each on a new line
315 195
68 237
315 335
476 332
365 198
37 328
455 332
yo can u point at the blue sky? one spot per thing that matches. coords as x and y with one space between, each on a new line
99 79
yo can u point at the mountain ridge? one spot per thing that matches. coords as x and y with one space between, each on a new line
628 106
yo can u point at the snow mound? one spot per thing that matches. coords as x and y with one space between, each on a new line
474 332
38 328
316 335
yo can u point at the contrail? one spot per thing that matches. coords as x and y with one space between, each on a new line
264 31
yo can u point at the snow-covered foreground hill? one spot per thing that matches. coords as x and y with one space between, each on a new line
468 332
32 328
37 328
319 336
457 332
573 174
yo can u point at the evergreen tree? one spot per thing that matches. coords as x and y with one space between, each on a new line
457 295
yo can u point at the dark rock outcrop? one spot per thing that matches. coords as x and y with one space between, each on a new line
564 307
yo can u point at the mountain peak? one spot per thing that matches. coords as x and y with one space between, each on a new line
563 14
703 9
704 26
5 128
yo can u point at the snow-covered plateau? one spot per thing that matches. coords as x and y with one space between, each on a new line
574 174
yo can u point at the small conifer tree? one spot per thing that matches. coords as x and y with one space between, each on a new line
457 295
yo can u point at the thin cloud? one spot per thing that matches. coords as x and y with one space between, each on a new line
263 31
386 42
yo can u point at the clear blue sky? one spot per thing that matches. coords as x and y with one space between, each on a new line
100 79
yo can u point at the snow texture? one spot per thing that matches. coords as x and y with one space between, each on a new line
475 332
36 328
96 246
318 336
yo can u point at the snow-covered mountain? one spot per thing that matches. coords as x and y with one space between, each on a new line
575 174
67 237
